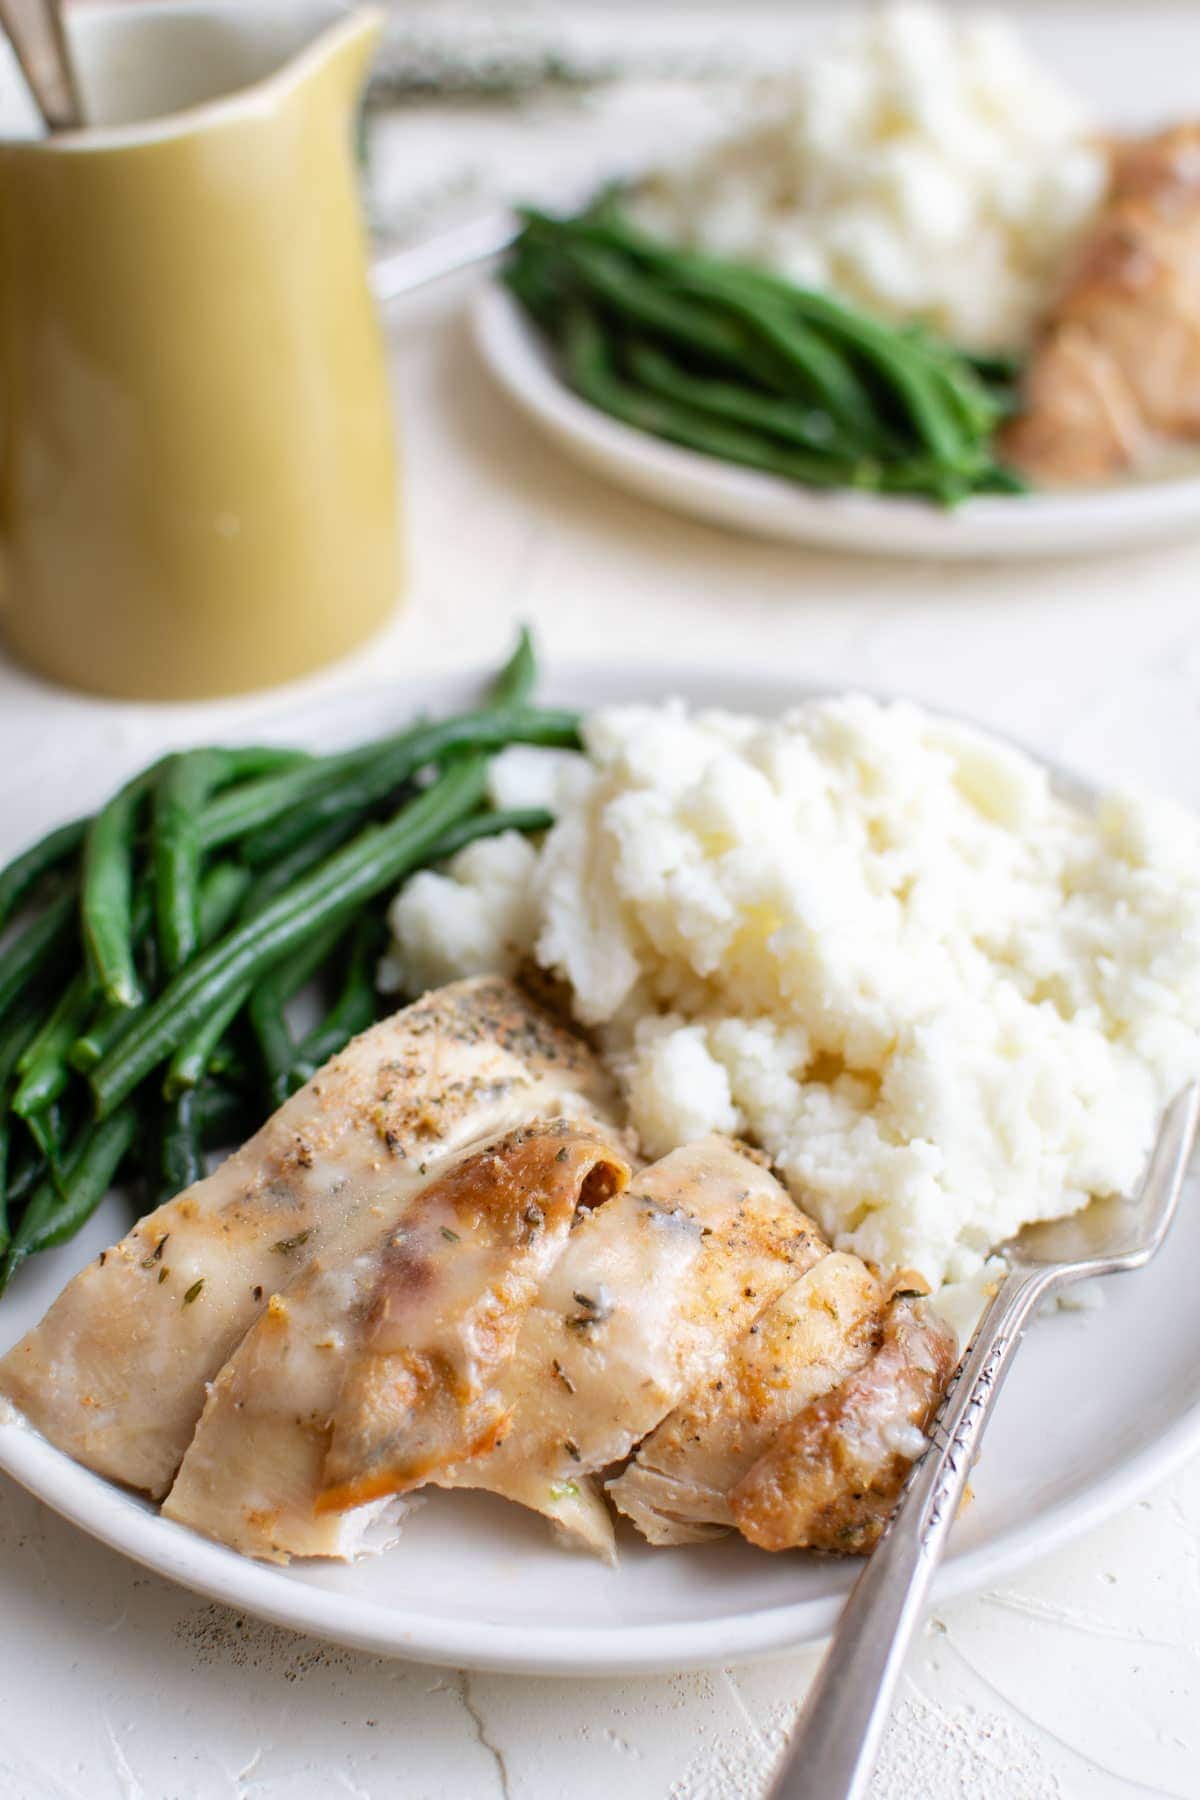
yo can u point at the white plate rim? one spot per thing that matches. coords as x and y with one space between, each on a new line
992 526
130 1525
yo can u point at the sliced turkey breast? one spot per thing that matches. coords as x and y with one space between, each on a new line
1115 376
648 1294
376 1367
830 1479
115 1373
820 1329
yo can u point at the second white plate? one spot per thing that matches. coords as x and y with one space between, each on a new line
1001 526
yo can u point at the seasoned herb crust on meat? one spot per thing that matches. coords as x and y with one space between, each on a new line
115 1373
378 1365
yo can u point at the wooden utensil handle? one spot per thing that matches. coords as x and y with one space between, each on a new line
36 30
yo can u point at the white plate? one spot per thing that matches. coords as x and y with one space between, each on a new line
1099 1406
1008 526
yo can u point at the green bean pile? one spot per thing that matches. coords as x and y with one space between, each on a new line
742 365
150 953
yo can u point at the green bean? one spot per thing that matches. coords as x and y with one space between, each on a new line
977 406
222 892
184 787
293 972
813 429
487 824
109 1022
189 781
601 223
22 1167
269 999
243 809
23 874
899 366
193 1059
911 414
936 408
351 807
27 1166
353 1010
47 1128
535 288
195 1055
821 368
999 368
43 1065
16 1035
371 862
644 303
229 1065
5 1136
517 680
746 284
358 790
64 1008
18 1170
367 775
998 479
222 1115
181 1151
29 956
737 335
313 847
247 762
590 372
106 903
52 1216
107 1026
356 1007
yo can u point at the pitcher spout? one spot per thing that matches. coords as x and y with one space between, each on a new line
151 72
333 66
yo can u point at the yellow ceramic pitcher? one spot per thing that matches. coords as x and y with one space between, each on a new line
197 468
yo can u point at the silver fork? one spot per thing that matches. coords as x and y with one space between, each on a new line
832 1750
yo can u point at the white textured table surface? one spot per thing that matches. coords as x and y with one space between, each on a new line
1081 1678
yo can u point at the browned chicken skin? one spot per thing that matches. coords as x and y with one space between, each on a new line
830 1479
453 1285
1115 377
676 1489
802 1436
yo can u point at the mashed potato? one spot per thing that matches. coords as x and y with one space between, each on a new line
875 942
924 166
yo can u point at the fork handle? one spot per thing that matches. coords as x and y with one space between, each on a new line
832 1750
